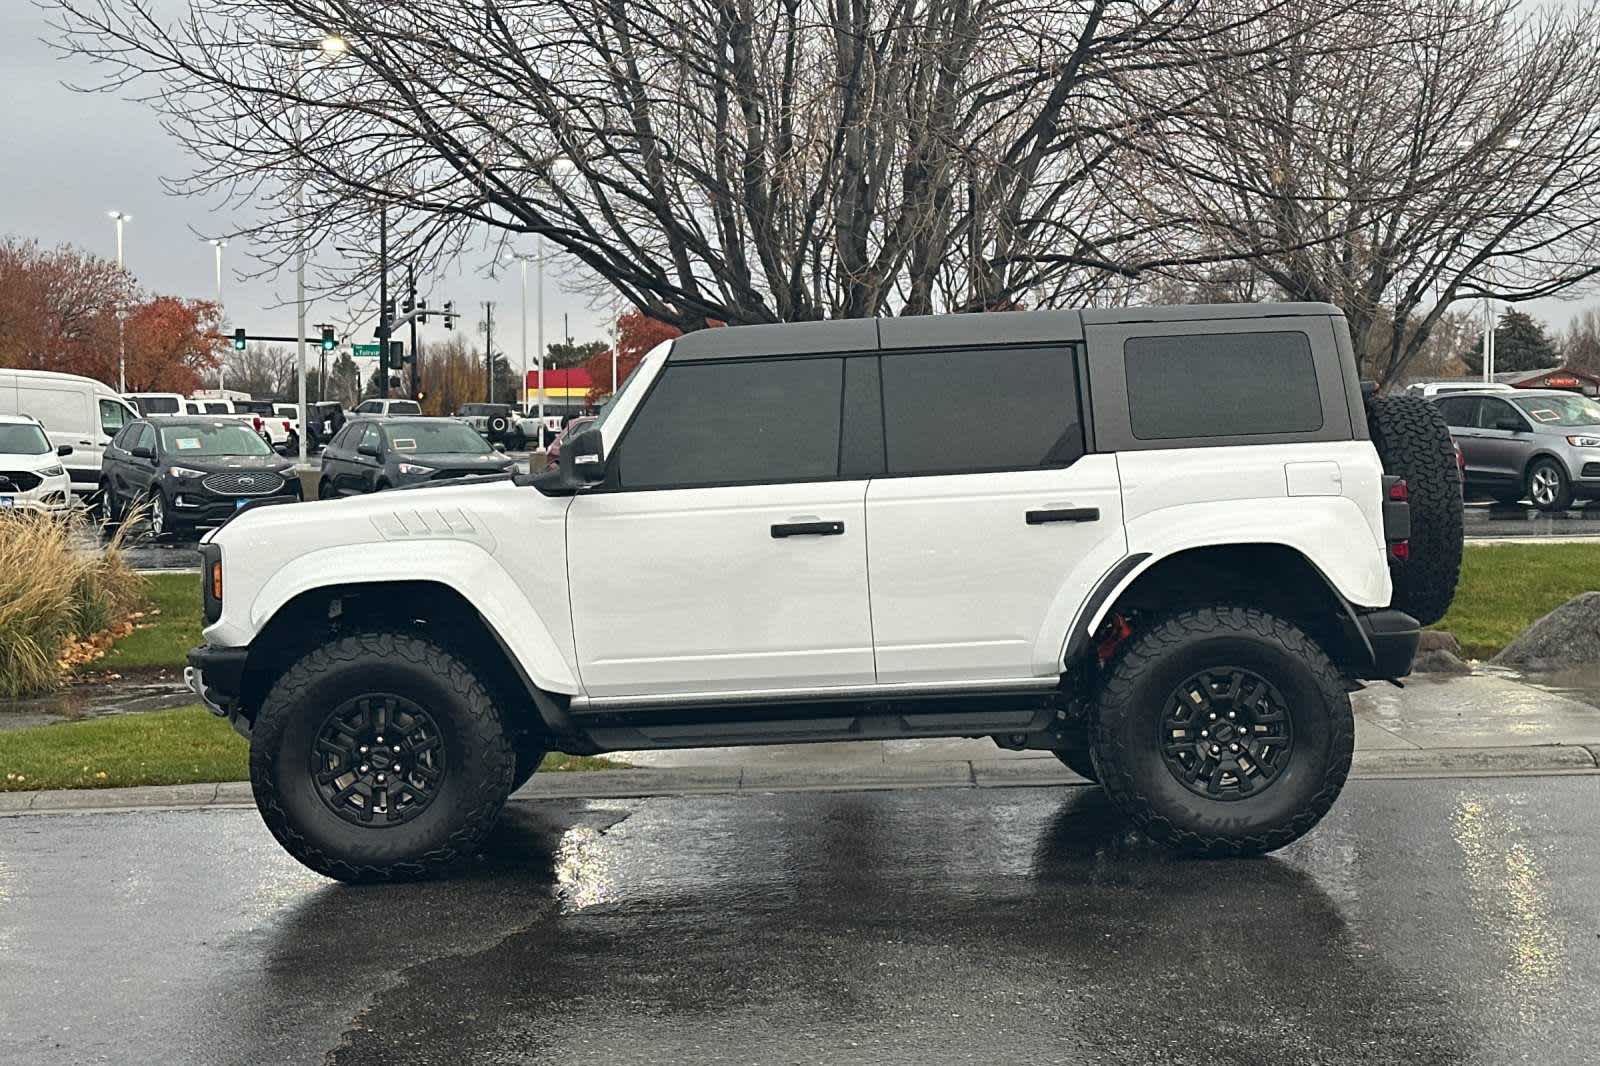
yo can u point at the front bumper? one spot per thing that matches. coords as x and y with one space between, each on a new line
216 676
196 506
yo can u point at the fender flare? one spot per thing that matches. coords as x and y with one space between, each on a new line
466 568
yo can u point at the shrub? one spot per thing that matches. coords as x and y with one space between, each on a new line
56 591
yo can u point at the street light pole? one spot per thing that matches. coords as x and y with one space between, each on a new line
539 338
120 219
217 245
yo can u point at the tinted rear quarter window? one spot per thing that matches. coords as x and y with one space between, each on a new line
965 411
1221 385
736 423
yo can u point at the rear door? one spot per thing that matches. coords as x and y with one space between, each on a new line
982 542
1461 415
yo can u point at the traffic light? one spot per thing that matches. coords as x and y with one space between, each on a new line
407 307
329 342
422 311
397 354
239 340
449 314
388 310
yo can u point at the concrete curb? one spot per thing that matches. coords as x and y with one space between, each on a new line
699 781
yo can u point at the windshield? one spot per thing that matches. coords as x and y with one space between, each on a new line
1571 410
404 407
23 439
224 439
627 383
430 438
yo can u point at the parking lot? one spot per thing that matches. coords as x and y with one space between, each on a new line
1426 921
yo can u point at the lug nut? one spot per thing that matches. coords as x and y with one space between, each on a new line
380 779
1213 716
1215 750
363 749
1231 747
397 749
380 740
1205 732
363 767
1230 714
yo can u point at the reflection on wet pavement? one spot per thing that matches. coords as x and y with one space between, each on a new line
1428 921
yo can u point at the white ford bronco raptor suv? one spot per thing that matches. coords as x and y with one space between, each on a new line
1175 542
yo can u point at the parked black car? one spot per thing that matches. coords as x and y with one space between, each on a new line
190 472
370 455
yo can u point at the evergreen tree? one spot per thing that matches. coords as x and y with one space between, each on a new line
1520 343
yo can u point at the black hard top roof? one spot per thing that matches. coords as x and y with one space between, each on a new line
944 331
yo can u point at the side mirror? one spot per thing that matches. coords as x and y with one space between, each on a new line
139 451
368 449
64 451
499 447
583 459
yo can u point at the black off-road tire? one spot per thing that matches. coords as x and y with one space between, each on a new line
1079 761
478 759
1128 723
1413 442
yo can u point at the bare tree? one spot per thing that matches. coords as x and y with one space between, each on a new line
1449 150
710 160
265 371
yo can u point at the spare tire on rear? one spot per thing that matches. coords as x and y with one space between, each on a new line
1413 442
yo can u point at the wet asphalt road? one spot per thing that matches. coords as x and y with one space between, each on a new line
1436 921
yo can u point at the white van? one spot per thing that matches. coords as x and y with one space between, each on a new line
80 412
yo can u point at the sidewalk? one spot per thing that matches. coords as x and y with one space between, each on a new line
1485 724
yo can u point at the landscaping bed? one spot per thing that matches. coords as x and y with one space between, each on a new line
1505 587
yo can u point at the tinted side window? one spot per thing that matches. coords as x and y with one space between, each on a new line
373 437
1492 412
1459 410
1221 385
966 411
147 436
729 423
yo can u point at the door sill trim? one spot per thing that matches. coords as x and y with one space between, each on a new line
900 690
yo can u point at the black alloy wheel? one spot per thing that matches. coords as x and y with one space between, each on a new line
1226 733
378 760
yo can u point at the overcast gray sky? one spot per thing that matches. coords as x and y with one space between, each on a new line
68 158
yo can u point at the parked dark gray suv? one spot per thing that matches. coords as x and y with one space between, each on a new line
1532 444
373 454
191 472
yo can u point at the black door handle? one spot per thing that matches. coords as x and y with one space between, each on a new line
808 529
1064 514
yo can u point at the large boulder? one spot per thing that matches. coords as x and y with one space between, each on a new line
1567 636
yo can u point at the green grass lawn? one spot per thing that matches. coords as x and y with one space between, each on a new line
171 627
1504 587
178 747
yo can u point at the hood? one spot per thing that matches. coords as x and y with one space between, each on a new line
18 461
221 464
455 460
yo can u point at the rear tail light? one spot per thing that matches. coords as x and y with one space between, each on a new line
258 423
1400 550
1399 491
286 425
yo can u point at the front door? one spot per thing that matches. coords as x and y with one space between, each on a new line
983 540
1503 441
725 551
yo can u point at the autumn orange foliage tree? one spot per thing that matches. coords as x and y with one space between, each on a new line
637 333
58 311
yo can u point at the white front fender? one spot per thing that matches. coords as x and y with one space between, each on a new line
460 565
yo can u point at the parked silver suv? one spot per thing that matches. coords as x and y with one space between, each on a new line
1533 444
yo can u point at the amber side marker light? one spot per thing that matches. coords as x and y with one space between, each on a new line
216 580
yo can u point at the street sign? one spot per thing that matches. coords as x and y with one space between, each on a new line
369 351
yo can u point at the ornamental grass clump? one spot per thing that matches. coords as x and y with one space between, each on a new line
60 599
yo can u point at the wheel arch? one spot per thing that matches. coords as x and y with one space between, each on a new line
431 608
1554 457
1271 575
